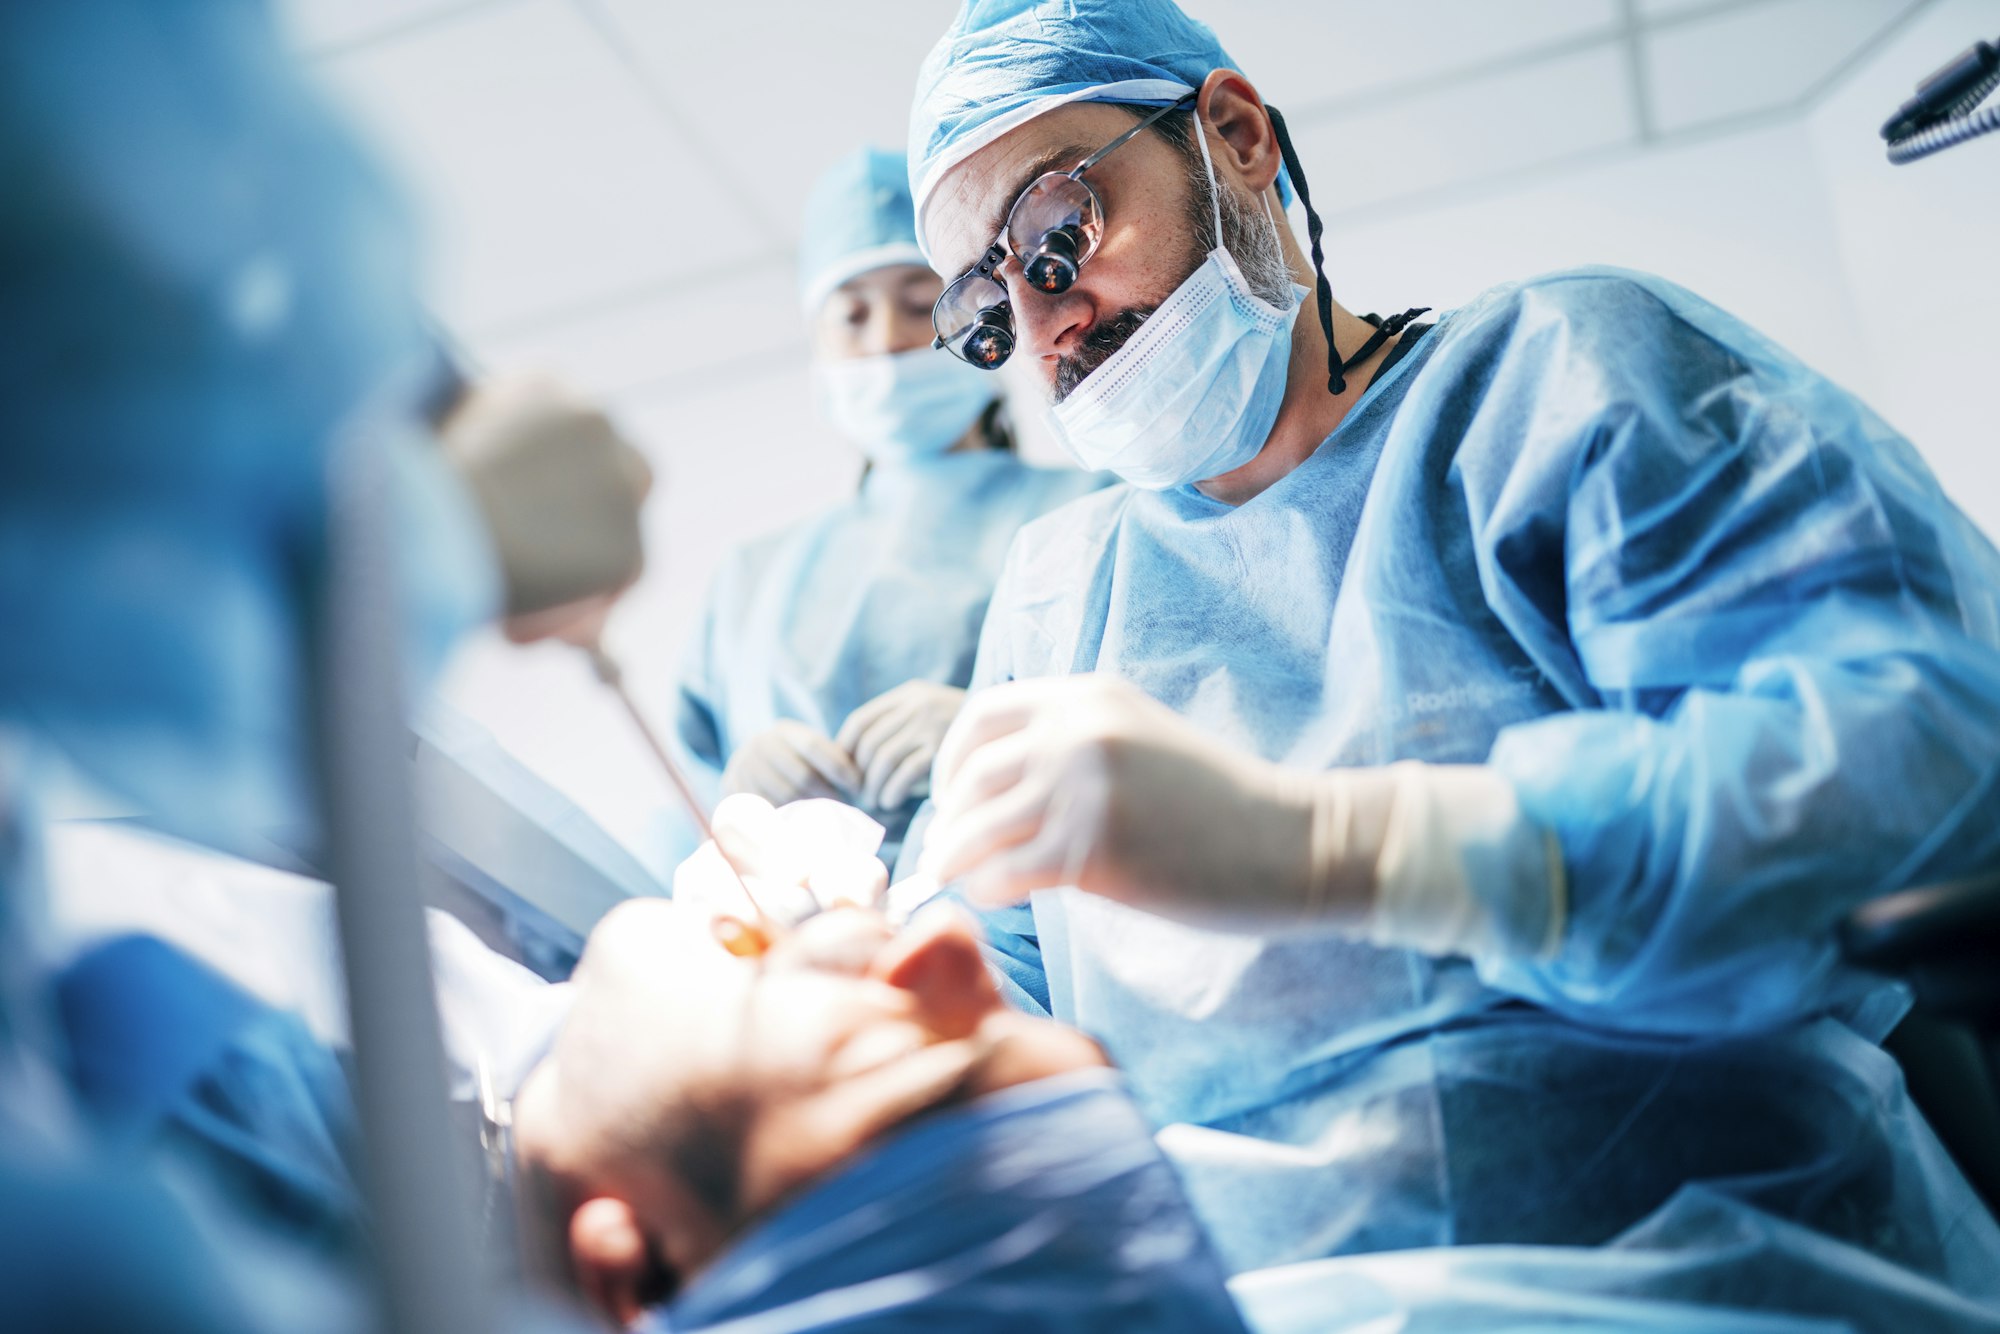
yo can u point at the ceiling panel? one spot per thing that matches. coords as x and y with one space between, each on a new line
320 25
667 339
780 94
1652 10
1473 130
1760 58
613 186
547 176
1305 53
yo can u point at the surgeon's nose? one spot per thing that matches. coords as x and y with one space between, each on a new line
1047 326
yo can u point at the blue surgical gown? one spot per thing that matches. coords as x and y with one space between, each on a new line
891 586
1720 629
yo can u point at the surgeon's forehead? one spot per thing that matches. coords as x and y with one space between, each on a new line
971 201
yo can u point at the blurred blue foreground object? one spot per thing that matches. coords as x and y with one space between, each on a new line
212 378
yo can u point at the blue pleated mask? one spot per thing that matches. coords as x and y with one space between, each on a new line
901 406
1194 393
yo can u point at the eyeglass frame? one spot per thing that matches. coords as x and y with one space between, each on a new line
1000 251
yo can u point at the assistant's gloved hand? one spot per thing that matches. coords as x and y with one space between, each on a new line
895 736
560 490
799 859
1087 781
789 761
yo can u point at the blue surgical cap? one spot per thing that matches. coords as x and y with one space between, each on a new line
858 218
1004 62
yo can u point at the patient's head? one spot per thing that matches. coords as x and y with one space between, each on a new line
692 1089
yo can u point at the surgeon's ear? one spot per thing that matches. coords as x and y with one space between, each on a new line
614 1264
1230 104
937 960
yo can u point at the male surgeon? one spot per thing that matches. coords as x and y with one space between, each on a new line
1540 687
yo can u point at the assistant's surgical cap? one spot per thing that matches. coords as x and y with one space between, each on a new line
1004 62
858 218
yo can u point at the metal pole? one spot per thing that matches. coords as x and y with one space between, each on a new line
417 1198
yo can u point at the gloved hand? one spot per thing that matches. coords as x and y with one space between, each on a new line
796 860
1087 781
895 736
559 488
789 761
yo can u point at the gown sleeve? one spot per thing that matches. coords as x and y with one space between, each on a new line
699 739
1787 638
1012 944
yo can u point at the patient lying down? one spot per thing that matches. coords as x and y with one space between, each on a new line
847 1129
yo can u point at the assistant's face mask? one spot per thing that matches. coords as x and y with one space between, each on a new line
1193 394
901 406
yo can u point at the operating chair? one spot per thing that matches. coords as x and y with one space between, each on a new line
1944 941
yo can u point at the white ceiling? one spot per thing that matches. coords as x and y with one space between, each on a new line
611 187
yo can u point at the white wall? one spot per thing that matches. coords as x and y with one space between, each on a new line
1743 220
1920 258
746 445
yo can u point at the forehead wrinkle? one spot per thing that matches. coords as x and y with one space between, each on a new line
1039 165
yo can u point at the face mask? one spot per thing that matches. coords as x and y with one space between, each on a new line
1193 393
904 405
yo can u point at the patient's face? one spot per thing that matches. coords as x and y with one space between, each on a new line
696 1088
663 1009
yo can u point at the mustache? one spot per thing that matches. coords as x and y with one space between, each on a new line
1097 347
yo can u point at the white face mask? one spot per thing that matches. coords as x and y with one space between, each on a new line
903 405
1194 393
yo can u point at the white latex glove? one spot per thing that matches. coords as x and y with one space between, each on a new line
895 736
1087 781
797 859
559 487
790 761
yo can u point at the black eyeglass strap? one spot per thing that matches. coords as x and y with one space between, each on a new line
1336 367
1384 331
1336 370
1133 133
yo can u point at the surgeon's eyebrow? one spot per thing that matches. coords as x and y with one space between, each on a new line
1038 167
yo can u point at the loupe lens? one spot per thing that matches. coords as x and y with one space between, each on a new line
1051 267
1054 227
967 307
991 341
973 322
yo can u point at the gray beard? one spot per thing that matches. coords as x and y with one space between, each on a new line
1248 234
1251 236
